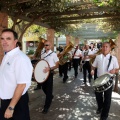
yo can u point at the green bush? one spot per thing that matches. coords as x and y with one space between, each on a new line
31 52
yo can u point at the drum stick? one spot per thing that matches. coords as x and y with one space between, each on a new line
92 80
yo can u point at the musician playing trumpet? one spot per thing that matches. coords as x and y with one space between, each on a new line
104 64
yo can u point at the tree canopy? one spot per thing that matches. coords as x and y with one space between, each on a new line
65 15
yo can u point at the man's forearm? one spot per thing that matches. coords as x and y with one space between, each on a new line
55 67
17 94
116 71
93 68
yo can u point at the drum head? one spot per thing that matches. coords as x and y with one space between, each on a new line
39 75
103 79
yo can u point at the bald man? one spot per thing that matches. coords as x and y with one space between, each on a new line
47 86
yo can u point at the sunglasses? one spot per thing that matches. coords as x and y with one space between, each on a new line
46 45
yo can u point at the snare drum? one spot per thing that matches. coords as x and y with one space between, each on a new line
39 75
103 83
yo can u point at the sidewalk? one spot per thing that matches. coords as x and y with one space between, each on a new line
72 101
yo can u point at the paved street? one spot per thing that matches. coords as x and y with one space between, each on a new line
72 101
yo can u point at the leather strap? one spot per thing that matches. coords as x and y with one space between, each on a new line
109 62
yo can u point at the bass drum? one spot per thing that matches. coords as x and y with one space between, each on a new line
39 75
103 83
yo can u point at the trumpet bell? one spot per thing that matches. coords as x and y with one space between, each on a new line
65 55
112 44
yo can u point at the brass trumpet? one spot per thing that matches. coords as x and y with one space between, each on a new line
65 56
39 48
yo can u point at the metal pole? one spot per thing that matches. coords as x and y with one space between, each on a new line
116 84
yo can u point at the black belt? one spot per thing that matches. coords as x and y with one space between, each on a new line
11 98
5 99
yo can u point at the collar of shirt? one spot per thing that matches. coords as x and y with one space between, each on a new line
45 54
48 52
13 51
8 54
107 56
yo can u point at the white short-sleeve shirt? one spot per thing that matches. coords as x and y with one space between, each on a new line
101 62
89 52
78 52
16 68
51 58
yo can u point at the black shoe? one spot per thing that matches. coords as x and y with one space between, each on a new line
98 111
65 79
103 118
37 88
52 96
45 110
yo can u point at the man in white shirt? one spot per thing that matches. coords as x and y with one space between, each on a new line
101 63
47 86
87 53
76 59
94 51
15 79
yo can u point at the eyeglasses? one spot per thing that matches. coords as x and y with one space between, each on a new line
46 45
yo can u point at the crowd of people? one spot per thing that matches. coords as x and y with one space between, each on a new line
16 73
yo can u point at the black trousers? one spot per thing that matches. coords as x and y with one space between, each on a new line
69 65
87 67
75 66
95 74
104 101
21 111
65 71
60 70
47 87
0 114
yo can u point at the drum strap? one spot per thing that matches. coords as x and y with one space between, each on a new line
74 53
48 55
109 62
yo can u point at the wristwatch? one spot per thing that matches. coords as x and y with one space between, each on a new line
10 108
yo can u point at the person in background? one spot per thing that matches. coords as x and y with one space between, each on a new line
47 86
76 59
86 64
94 51
65 67
70 61
60 50
104 65
15 79
18 44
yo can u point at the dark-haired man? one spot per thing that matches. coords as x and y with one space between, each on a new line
15 79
